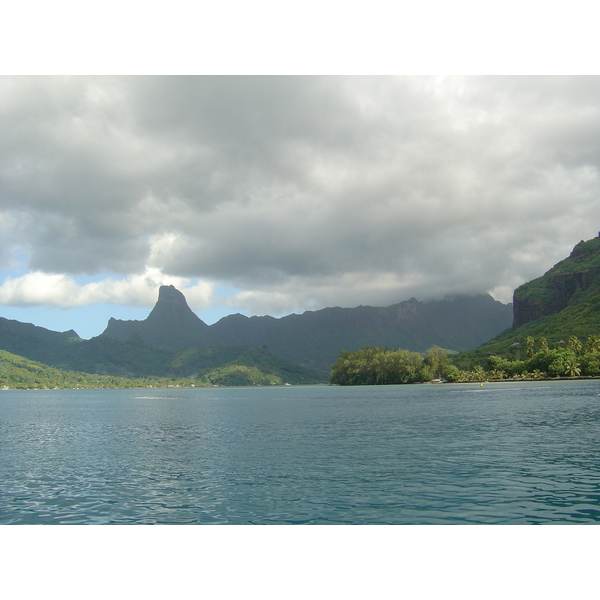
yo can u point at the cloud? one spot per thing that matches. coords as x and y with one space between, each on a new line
299 192
37 288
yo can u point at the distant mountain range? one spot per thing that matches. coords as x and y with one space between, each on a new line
174 341
315 338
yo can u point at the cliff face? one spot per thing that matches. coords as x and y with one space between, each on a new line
567 283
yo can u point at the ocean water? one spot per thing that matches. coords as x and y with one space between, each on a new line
506 453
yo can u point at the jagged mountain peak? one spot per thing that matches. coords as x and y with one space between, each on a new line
169 293
171 324
172 305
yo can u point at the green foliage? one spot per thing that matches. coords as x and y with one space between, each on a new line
240 375
380 366
210 365
17 372
564 359
437 360
383 366
376 366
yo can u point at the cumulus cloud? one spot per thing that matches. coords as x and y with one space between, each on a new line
299 192
38 288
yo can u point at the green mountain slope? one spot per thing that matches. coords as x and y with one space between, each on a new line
568 283
565 301
17 372
239 365
206 366
36 343
136 359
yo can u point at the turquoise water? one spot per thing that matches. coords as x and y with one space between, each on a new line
522 453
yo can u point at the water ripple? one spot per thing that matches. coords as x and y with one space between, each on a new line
526 454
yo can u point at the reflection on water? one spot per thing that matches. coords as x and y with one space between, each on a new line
505 453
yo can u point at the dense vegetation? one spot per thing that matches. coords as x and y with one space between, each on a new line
17 372
538 358
196 367
535 359
135 358
384 366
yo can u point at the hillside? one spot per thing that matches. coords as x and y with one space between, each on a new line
568 283
36 343
17 372
124 366
565 301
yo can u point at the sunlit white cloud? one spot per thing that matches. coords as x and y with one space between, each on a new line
38 288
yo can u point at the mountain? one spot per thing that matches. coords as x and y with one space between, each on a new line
36 343
171 324
565 301
574 280
316 338
172 342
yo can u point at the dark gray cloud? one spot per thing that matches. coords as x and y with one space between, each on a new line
301 191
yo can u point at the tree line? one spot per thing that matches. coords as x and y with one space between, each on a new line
384 366
535 360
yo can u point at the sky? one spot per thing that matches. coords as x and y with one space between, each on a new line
280 194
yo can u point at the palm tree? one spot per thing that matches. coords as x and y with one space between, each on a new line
574 344
572 366
530 343
593 344
543 344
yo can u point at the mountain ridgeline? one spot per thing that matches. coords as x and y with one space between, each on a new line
314 339
548 316
173 342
